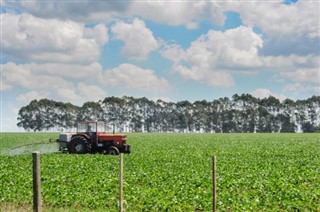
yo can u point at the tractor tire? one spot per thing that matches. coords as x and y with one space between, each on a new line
78 145
113 151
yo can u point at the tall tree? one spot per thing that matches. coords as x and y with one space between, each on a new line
242 113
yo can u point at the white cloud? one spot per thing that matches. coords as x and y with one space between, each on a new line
69 94
280 19
91 92
265 93
162 98
132 77
99 33
234 47
175 13
302 80
74 71
53 81
138 39
286 62
298 87
303 75
81 11
47 76
212 55
290 48
289 29
173 52
27 37
27 97
214 78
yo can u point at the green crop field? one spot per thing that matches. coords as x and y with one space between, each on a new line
170 172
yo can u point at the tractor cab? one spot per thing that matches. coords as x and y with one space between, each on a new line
91 137
91 130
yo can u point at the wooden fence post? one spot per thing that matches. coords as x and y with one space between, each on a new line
214 183
121 183
36 182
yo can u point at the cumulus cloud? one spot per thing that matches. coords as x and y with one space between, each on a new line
130 77
302 80
80 11
98 33
234 47
286 62
173 52
290 28
27 37
138 39
281 19
49 81
172 13
209 58
22 76
290 48
176 13
214 56
291 44
265 93
26 97
298 87
65 70
69 94
303 75
32 75
214 78
91 92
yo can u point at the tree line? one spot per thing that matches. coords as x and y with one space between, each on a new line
241 113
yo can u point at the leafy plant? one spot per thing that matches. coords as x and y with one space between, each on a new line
256 172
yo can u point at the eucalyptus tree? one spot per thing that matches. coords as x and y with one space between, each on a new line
184 113
114 113
29 117
313 106
168 115
287 117
243 113
91 111
215 115
146 110
271 119
203 116
66 115
246 112
39 115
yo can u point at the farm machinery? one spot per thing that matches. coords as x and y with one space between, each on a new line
91 138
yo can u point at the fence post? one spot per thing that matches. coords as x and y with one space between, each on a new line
36 182
214 183
121 183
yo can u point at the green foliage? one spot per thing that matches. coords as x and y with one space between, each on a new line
46 114
243 113
172 172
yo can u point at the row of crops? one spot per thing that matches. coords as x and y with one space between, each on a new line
172 172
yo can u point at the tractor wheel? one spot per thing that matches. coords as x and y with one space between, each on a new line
78 145
113 151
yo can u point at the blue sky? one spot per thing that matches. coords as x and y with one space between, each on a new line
78 51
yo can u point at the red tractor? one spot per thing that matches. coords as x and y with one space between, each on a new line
91 138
